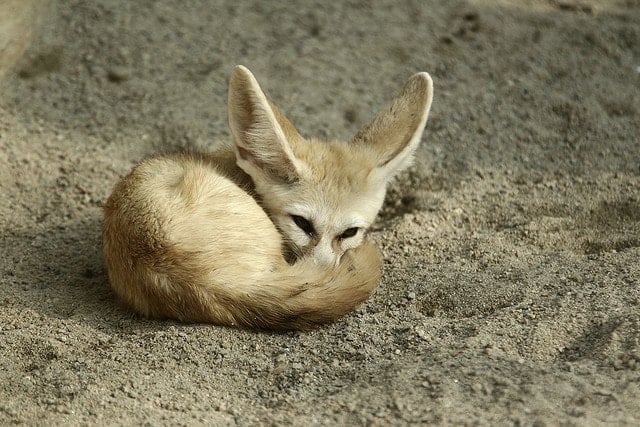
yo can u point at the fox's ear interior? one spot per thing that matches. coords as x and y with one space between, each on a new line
262 134
395 133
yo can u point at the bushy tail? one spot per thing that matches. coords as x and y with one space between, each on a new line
304 296
299 296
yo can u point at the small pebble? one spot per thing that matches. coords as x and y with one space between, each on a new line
118 74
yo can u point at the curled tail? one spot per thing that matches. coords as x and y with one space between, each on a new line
304 296
299 296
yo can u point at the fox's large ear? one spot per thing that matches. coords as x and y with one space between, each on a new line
262 134
395 133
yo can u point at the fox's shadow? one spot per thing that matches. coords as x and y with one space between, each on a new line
59 273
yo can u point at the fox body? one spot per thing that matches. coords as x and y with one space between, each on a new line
268 232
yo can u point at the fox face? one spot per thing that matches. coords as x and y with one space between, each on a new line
327 209
323 195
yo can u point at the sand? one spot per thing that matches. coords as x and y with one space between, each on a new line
511 285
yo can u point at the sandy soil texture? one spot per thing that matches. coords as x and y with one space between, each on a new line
511 287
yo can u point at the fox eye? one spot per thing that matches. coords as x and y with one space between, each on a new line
304 224
349 232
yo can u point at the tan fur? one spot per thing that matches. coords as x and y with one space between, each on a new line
207 237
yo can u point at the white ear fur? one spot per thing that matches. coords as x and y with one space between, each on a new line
260 142
395 133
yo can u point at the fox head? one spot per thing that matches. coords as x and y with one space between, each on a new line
323 195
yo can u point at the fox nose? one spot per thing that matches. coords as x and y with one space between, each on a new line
324 256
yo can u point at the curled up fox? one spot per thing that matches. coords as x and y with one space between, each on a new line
269 232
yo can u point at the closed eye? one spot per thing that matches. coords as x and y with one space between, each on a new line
349 232
304 224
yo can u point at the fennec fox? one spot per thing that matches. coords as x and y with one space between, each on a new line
268 233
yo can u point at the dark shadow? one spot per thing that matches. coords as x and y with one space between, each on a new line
59 273
597 339
615 225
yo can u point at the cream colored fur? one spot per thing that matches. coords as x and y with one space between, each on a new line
269 233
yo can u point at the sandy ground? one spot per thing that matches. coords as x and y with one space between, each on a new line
511 287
